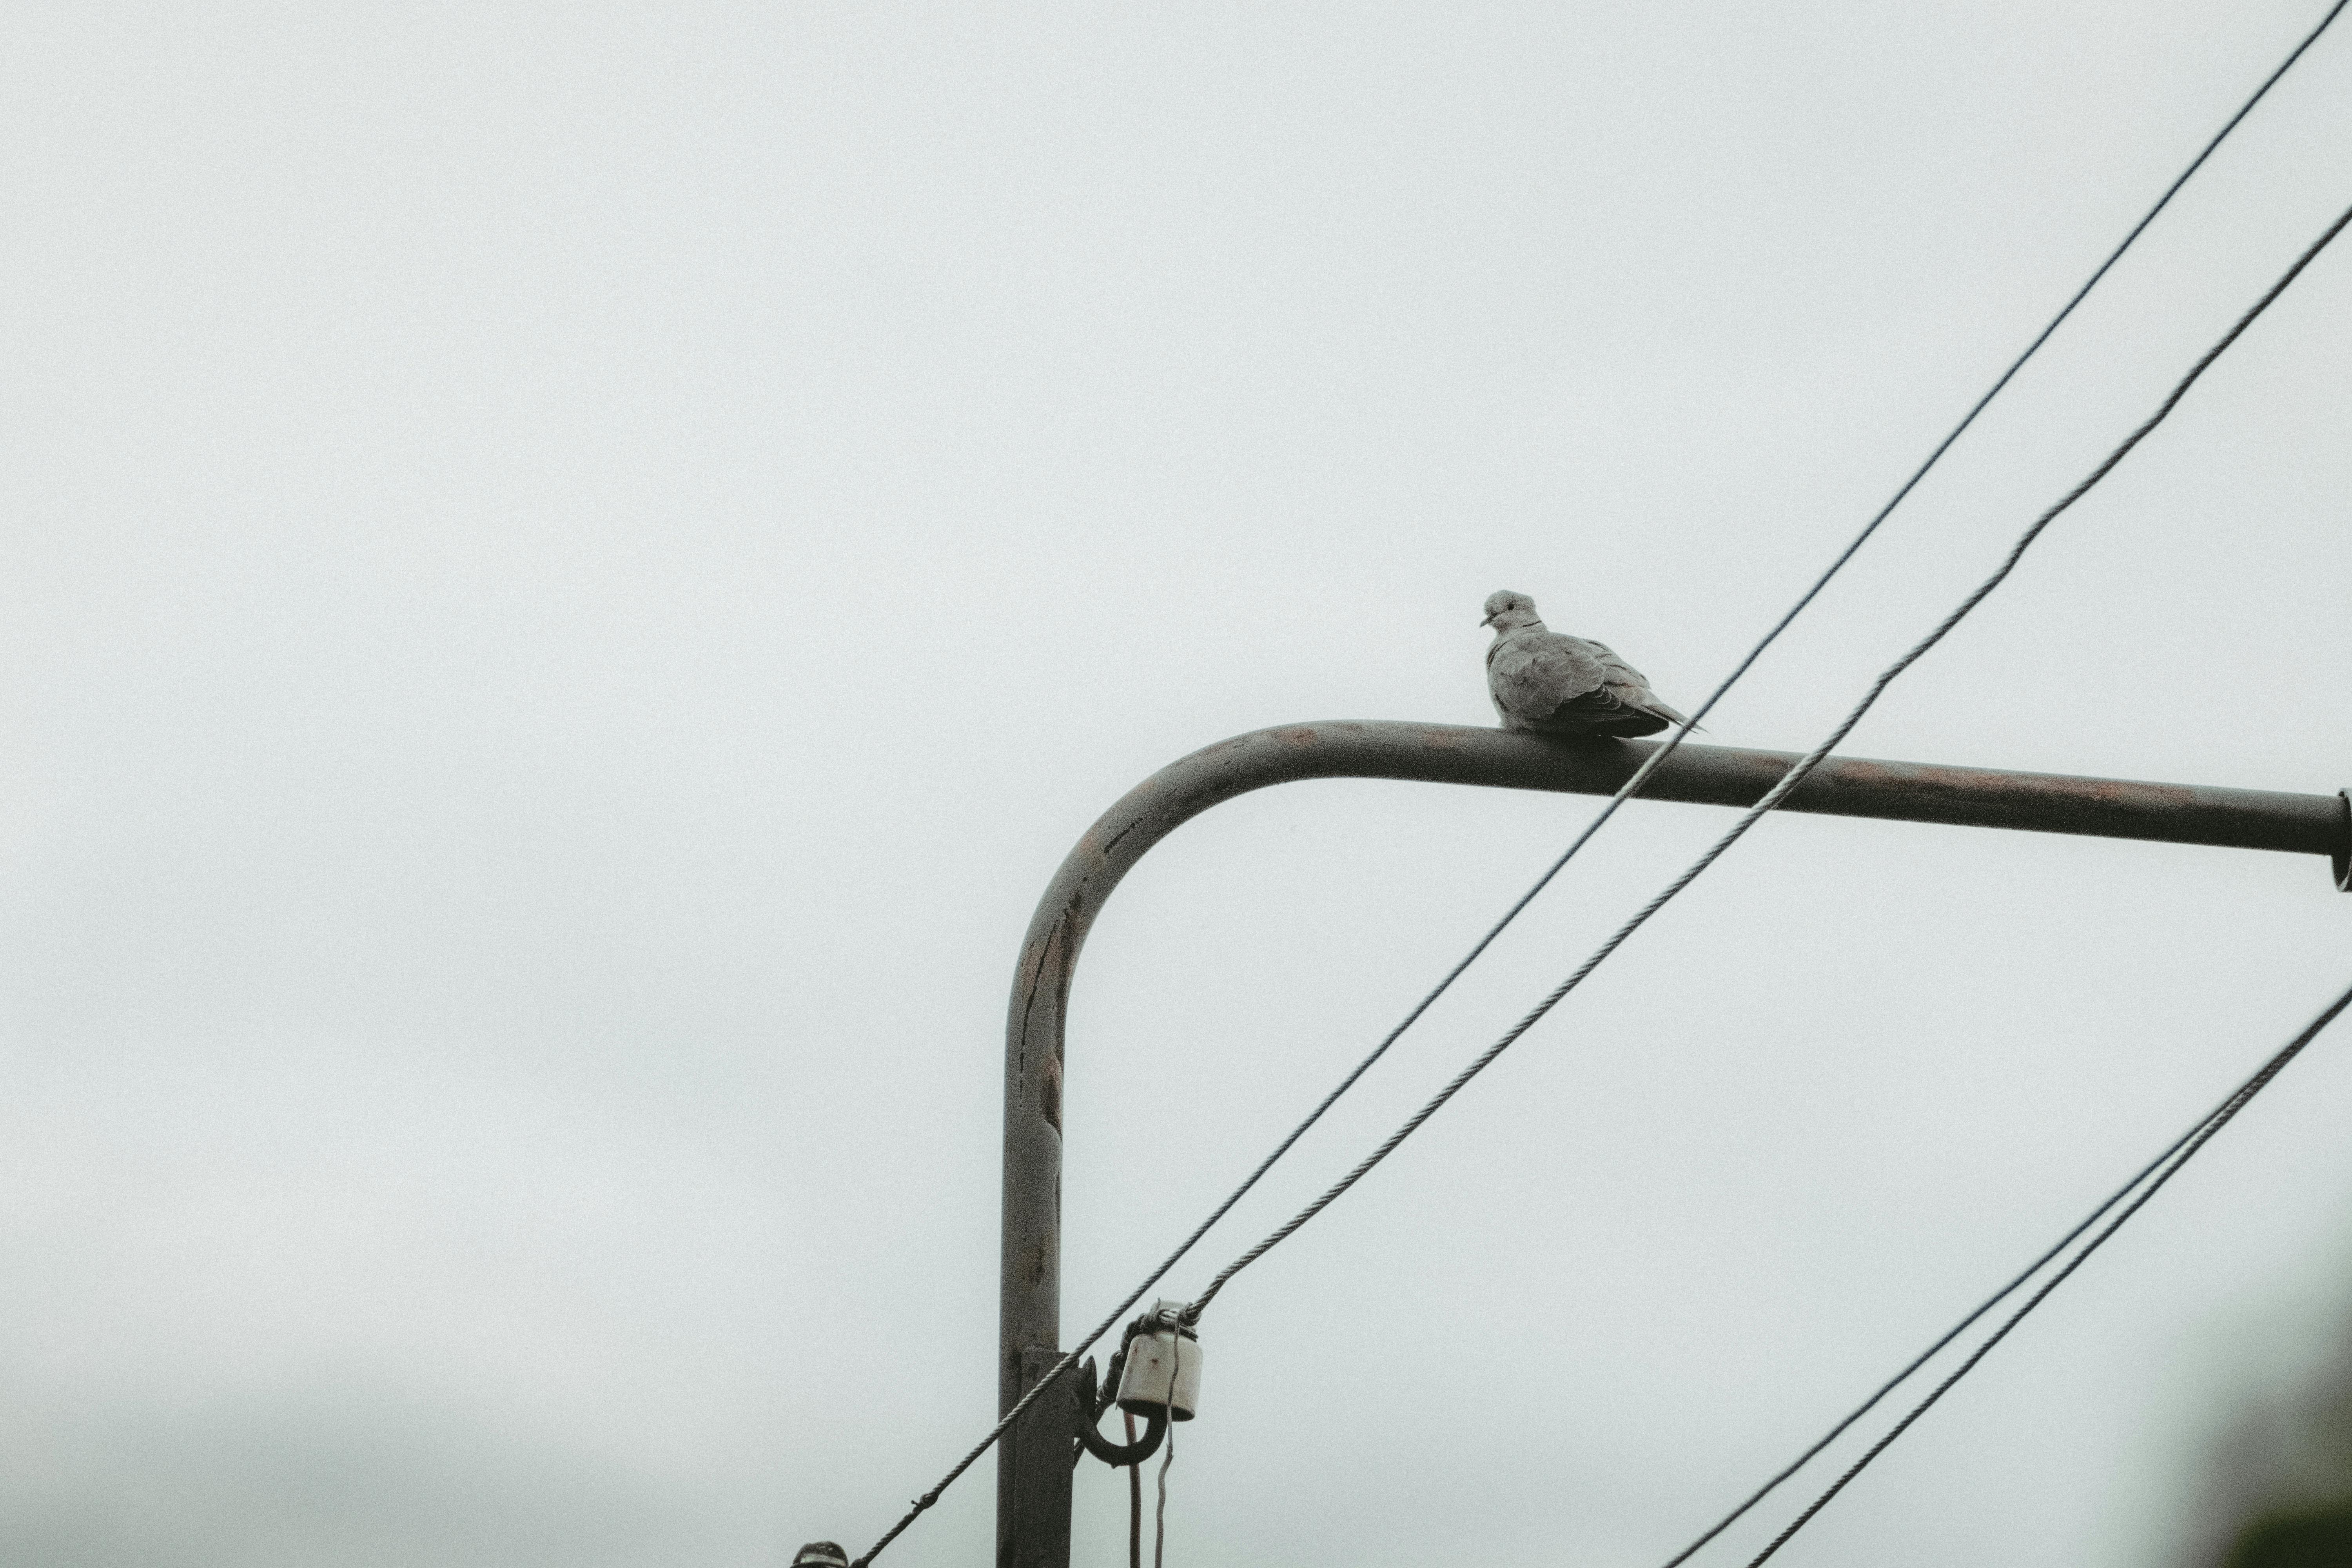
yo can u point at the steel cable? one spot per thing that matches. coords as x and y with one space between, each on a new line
2198 1137
1846 1422
1779 791
1632 786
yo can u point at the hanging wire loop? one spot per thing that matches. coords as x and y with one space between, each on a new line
1092 1402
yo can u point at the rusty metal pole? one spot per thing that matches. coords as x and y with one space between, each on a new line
1033 1479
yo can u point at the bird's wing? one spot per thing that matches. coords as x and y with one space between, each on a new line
1531 673
1629 686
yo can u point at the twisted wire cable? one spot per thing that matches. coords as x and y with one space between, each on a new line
2198 1137
1846 1422
1924 1356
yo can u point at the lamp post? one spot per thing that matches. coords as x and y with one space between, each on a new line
1033 1480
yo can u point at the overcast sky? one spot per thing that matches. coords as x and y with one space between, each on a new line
571 571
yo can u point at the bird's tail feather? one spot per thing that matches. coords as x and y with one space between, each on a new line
1659 709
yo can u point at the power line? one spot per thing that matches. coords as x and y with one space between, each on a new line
1627 791
2199 1138
1779 791
1986 1305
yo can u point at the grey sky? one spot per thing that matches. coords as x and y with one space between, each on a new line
570 573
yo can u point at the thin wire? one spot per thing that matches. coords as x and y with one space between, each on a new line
1159 1519
2213 1124
1625 792
1779 791
1134 1500
1955 1332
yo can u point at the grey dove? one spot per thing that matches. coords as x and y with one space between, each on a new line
1555 684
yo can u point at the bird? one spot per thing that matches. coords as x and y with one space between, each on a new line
1550 683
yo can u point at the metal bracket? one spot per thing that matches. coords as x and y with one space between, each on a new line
1091 1405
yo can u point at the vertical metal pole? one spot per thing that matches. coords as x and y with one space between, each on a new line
1033 1462
1033 1474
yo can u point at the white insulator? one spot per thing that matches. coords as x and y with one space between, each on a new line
1164 1368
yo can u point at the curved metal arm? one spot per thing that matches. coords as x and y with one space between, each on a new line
1032 1470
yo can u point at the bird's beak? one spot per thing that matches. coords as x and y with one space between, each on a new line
1487 622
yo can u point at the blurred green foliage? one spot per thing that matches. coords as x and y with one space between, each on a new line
2289 1464
2296 1537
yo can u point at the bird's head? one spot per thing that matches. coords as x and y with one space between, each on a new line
1507 612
